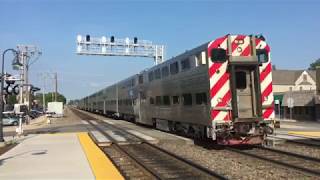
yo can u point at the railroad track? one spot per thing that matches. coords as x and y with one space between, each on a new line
147 161
311 142
302 163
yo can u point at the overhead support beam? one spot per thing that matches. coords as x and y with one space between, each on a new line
111 46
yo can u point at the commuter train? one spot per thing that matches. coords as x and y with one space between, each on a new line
221 90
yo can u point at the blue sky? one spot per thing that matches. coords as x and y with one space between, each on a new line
291 28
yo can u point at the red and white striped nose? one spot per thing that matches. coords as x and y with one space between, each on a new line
240 45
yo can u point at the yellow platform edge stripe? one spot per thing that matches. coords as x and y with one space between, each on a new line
102 167
315 134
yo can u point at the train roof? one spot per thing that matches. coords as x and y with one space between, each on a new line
186 54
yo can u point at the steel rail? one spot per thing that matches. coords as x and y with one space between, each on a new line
315 144
274 160
154 173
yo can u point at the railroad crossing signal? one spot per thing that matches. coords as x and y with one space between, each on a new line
103 46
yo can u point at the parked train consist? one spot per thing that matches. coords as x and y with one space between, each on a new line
220 90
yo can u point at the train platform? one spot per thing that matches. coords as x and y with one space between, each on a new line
309 134
57 156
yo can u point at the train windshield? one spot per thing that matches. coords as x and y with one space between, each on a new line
262 55
218 55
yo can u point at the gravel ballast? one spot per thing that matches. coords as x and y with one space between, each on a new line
233 165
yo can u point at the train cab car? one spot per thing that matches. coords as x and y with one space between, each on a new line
241 98
221 90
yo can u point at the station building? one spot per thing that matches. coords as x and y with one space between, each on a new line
300 89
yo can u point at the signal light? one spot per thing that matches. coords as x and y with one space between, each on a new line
112 39
87 38
135 40
15 89
8 89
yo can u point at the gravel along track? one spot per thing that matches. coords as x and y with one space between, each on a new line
126 165
163 165
146 161
290 160
310 142
234 165
299 149
227 163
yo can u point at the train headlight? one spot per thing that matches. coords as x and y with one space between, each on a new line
239 49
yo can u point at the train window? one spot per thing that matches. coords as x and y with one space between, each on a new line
150 76
141 79
201 98
175 99
165 71
166 100
158 100
185 64
151 100
157 74
241 80
218 55
262 55
174 68
201 58
187 99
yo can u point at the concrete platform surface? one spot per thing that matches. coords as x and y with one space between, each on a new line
309 134
46 156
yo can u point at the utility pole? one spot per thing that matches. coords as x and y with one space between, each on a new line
43 95
53 77
44 76
56 86
26 51
22 56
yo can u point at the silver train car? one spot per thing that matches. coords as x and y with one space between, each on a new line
219 90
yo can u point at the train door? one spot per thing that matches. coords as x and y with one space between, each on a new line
139 108
244 84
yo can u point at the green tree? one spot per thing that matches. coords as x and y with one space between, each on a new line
314 64
49 97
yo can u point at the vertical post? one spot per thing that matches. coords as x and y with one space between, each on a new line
1 94
56 87
1 101
291 103
43 94
26 82
279 110
25 79
22 79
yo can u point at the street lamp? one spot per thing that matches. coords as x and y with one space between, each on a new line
1 91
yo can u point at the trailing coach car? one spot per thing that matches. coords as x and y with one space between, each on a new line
220 90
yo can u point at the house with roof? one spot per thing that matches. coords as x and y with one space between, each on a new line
293 80
296 88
